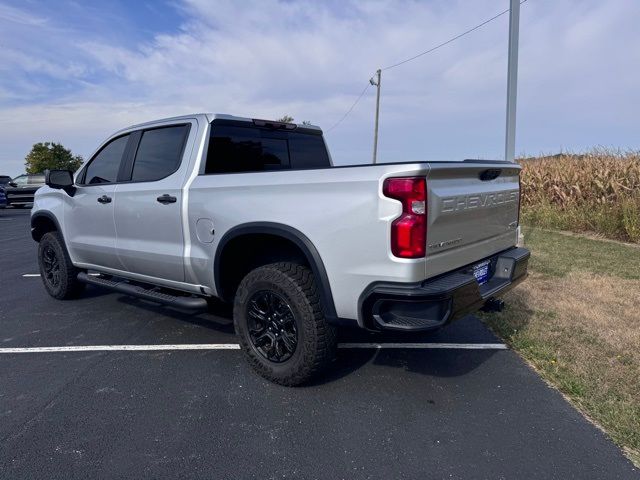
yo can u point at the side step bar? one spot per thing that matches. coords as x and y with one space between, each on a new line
122 286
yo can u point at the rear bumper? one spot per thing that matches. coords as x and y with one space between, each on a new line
435 302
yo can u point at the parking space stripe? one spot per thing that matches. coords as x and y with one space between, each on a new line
427 346
235 346
123 348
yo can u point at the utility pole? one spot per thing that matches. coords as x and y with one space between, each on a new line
512 81
375 134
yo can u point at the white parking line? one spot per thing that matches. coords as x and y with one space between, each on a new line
428 346
123 348
235 346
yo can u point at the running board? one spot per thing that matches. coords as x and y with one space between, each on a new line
122 286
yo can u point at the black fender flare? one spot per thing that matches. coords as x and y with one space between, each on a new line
44 214
296 237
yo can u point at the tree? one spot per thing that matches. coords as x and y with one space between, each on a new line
51 155
289 119
285 119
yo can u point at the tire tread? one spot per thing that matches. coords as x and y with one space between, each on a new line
320 344
70 287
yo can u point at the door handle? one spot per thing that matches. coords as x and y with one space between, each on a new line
166 198
104 199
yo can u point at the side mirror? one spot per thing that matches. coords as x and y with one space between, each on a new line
13 184
61 180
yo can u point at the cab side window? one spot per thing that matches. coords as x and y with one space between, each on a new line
105 165
159 153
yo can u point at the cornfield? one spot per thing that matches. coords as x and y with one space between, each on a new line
598 191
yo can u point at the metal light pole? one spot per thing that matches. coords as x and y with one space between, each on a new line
375 134
512 81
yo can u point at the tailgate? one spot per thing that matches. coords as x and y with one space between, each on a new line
472 212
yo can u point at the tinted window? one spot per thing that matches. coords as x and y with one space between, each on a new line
308 151
4 179
246 149
105 165
159 153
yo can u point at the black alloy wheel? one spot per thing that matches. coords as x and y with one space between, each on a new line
59 276
279 319
272 326
51 266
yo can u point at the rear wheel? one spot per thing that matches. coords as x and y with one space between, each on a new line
282 329
56 270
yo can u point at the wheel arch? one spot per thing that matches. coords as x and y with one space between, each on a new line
44 222
258 230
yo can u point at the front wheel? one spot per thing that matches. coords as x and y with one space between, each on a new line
282 329
56 270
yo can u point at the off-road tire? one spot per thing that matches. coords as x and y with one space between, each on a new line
67 284
316 341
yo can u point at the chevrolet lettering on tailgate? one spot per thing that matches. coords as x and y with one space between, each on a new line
478 200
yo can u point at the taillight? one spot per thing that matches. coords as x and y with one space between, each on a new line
409 230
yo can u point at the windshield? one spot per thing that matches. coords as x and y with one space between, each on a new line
21 180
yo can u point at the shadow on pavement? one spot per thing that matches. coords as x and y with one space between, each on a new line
428 362
219 317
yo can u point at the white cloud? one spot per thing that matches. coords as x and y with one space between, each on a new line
17 15
578 75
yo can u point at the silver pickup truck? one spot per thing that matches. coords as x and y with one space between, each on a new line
190 209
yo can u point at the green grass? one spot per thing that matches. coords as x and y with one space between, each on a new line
575 320
556 255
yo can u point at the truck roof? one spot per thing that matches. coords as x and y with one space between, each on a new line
210 117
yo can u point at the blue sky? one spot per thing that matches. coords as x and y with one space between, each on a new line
75 71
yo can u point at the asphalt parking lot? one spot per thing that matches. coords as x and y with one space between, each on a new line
380 413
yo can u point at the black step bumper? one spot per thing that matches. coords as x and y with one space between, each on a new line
433 303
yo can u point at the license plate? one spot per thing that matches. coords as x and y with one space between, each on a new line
481 272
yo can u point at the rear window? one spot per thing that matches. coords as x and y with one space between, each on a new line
308 151
234 149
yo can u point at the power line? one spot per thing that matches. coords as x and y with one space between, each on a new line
452 39
352 107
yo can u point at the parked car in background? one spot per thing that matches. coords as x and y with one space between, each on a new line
4 179
20 190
